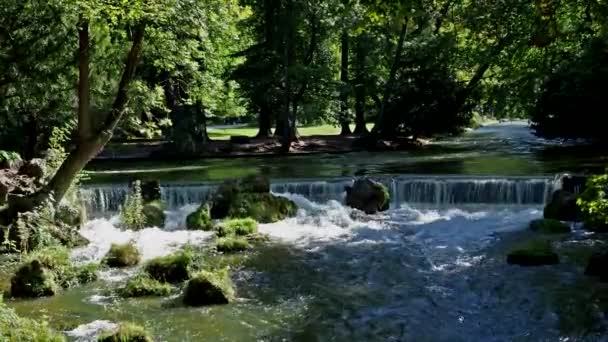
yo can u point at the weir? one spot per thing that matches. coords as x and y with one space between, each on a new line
428 190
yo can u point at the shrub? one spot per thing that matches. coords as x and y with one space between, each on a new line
240 227
127 332
593 203
172 268
200 219
122 256
132 211
142 286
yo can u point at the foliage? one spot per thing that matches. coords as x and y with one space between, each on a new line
200 219
19 329
143 286
154 214
172 268
594 203
125 255
132 211
261 207
9 156
127 332
239 227
231 244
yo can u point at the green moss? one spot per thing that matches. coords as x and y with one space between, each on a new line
231 244
387 198
200 219
262 207
171 268
240 227
122 256
209 288
17 329
142 286
549 226
154 214
127 332
33 280
533 253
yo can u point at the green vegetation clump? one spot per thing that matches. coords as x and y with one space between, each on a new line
47 270
593 203
132 211
533 253
239 227
154 214
125 255
19 329
143 286
549 226
262 207
209 288
232 244
172 268
200 219
127 332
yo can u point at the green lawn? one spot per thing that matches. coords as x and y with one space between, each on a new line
225 133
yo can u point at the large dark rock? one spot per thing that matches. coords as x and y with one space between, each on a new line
368 196
533 253
35 168
223 199
563 207
262 207
33 280
598 266
154 212
207 288
575 184
150 191
254 183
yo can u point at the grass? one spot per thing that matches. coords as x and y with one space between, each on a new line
225 133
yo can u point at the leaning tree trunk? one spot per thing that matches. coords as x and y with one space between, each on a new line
344 120
90 140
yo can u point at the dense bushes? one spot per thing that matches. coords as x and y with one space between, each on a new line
593 203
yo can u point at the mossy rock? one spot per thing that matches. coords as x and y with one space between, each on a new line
154 214
239 227
563 207
368 196
209 288
232 244
172 268
200 219
549 226
254 184
533 253
144 286
125 255
33 280
127 332
223 199
70 215
261 207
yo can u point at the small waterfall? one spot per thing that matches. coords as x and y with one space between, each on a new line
434 190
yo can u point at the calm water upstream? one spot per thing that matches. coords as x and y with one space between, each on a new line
432 268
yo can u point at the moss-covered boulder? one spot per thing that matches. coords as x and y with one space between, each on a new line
200 219
368 196
239 227
209 288
154 214
33 280
125 255
144 286
598 266
223 199
263 208
70 215
254 184
232 244
533 253
127 332
549 226
172 268
563 207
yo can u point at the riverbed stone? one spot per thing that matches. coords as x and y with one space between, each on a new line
563 207
549 226
368 196
533 253
125 255
154 214
126 332
33 280
172 268
598 266
209 288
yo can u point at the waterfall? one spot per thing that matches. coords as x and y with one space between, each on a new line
434 190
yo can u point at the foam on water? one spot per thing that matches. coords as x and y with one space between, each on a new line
91 331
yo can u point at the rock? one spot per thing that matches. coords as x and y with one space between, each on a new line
232 244
254 183
33 280
598 266
200 219
69 215
240 139
574 184
35 168
173 268
126 332
368 196
533 253
563 207
126 255
549 226
207 288
263 208
4 190
150 191
238 227
154 213
223 199
144 286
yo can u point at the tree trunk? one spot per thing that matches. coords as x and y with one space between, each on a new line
264 123
389 85
200 113
344 119
87 149
84 119
360 124
289 60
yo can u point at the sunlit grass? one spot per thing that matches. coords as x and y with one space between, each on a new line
225 133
